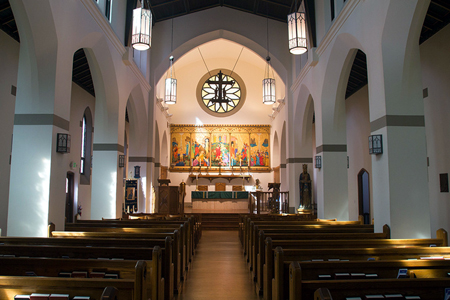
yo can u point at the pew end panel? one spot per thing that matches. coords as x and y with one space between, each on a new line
92 287
443 235
110 293
322 294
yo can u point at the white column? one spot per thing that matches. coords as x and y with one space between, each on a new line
37 180
400 179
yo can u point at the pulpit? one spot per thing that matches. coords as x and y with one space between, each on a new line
168 198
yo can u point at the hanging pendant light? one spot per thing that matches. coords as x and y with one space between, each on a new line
297 32
141 38
268 85
170 96
268 81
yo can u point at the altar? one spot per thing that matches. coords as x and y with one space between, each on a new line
220 200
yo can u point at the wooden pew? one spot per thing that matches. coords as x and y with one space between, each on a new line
186 238
103 253
173 259
309 240
83 242
280 219
249 224
425 288
353 270
190 223
287 227
289 247
93 287
145 275
292 231
283 259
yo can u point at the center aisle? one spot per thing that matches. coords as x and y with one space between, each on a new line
218 270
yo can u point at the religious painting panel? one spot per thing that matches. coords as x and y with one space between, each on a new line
259 150
239 149
181 142
220 148
200 149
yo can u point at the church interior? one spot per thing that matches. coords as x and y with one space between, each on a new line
194 115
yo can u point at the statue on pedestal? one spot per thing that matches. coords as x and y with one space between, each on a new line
258 186
182 196
305 188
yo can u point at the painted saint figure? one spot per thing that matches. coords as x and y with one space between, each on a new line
305 188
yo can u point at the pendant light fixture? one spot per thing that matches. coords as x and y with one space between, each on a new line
170 96
141 38
268 81
297 32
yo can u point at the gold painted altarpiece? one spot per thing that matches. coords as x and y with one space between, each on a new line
220 148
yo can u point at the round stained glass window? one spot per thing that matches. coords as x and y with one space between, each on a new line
221 94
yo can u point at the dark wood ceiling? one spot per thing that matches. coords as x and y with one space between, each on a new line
438 16
273 9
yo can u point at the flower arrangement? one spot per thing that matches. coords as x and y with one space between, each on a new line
79 209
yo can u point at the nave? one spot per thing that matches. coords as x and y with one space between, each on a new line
218 270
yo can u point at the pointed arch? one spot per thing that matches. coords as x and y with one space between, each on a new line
283 150
364 201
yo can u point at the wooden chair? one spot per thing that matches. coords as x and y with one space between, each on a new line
221 187
237 188
203 188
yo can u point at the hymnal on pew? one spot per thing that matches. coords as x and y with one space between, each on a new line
59 297
79 274
21 297
394 296
97 275
36 296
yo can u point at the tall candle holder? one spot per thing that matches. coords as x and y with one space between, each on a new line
196 182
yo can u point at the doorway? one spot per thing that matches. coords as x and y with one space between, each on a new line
69 197
364 195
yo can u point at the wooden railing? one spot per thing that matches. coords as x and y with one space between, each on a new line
268 202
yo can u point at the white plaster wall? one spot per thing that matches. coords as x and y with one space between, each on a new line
358 130
435 61
9 61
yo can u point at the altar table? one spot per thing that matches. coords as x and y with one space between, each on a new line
219 200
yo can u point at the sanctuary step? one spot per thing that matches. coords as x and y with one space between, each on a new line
220 221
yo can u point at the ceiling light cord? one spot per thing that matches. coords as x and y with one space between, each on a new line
204 61
237 61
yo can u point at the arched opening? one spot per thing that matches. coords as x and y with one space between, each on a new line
276 158
86 148
358 128
70 187
283 172
364 195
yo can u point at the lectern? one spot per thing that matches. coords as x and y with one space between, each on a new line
168 198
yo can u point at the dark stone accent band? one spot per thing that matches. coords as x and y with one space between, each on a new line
41 119
157 165
299 160
331 148
283 166
141 159
399 121
108 147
